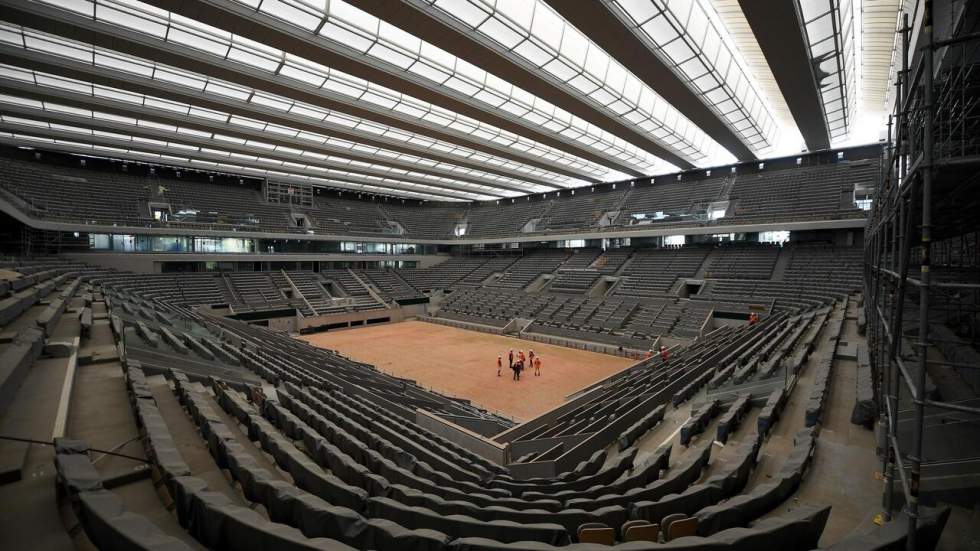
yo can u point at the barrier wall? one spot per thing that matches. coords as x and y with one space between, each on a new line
349 319
464 325
481 426
476 443
589 346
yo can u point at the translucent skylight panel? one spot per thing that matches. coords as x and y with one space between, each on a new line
249 58
237 155
183 78
175 78
686 37
351 27
295 12
560 50
20 101
229 91
166 105
836 52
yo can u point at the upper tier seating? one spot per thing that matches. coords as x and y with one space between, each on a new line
582 210
743 261
807 192
90 196
676 199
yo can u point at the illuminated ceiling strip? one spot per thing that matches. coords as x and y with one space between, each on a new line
115 61
217 154
136 105
357 33
171 28
531 34
686 37
25 140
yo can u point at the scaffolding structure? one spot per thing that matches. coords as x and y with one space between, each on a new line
924 220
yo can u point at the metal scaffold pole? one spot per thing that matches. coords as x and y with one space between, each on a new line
900 251
915 459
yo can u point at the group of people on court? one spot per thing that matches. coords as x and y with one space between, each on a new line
517 363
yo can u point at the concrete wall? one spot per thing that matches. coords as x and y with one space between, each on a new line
476 443
484 427
151 263
283 325
538 445
136 263
546 417
351 319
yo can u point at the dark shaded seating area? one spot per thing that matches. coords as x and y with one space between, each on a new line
78 194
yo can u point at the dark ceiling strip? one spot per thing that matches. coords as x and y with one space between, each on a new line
778 29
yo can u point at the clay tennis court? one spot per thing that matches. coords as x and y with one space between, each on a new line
463 363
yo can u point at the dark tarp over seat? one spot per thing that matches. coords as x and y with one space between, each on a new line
797 530
112 528
892 535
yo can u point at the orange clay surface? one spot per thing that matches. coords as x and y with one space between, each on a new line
464 364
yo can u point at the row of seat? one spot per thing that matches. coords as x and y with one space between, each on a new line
390 472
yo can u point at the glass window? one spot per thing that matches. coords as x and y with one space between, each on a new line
773 237
123 243
99 241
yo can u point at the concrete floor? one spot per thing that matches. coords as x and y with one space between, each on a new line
101 414
29 515
842 474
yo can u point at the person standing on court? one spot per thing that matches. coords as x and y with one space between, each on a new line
537 366
500 364
510 359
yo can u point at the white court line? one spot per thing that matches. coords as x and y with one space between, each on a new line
673 434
